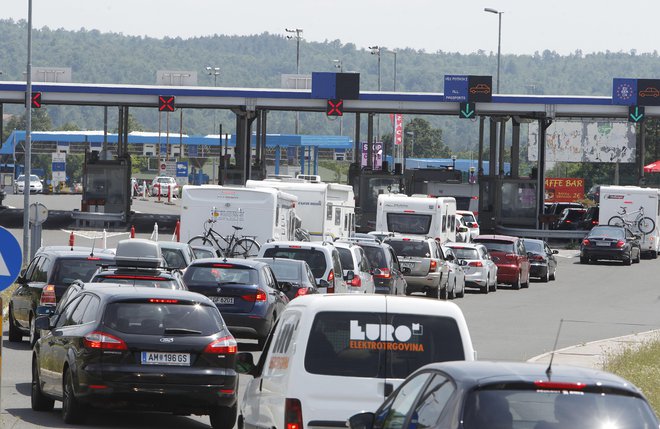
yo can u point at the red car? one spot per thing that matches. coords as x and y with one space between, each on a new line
510 256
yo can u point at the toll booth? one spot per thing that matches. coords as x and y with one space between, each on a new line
507 201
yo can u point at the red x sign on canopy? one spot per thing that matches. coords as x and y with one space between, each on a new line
335 108
166 103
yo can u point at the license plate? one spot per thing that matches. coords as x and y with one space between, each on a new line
603 243
160 358
408 264
222 300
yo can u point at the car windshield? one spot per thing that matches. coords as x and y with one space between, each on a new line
346 258
409 223
498 246
534 246
607 231
148 318
554 409
286 271
34 178
66 270
173 257
215 274
465 253
376 256
314 258
418 249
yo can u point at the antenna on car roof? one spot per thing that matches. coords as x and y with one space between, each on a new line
93 243
548 371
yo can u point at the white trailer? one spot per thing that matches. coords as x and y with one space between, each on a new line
265 214
325 209
417 215
636 207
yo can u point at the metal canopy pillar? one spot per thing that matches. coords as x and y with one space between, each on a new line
642 153
515 148
244 119
264 123
492 154
501 147
480 155
259 172
540 170
370 141
356 141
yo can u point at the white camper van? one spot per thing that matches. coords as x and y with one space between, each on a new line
265 214
417 215
326 209
635 207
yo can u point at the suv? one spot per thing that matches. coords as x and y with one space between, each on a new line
356 268
571 218
555 210
385 267
510 256
44 281
590 219
422 264
322 257
119 347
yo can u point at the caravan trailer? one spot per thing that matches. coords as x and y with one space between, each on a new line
326 209
417 215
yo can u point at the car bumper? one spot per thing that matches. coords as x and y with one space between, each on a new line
507 273
609 253
247 326
422 283
538 270
383 286
477 279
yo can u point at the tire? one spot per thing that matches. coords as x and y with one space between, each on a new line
39 401
493 286
245 248
72 410
546 277
223 417
646 225
628 260
461 294
15 334
516 285
616 221
34 334
638 258
584 260
654 255
202 240
526 284
452 295
553 276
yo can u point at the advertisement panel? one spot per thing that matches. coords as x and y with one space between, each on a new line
377 153
563 190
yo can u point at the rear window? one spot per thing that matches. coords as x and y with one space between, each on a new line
468 218
606 231
286 271
350 344
376 256
465 253
173 257
145 281
346 258
534 246
497 246
66 270
215 274
418 249
314 258
409 223
163 319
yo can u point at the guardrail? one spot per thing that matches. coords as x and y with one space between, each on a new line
95 219
542 233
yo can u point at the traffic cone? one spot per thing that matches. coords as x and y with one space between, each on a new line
72 240
177 231
132 231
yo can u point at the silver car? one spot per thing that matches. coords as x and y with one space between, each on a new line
480 270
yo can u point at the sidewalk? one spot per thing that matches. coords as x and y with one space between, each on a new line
593 354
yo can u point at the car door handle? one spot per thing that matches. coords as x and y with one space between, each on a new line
388 389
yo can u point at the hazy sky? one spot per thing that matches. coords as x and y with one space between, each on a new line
432 25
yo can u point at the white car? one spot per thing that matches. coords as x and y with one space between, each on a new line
480 270
164 183
462 231
470 220
36 187
353 259
456 283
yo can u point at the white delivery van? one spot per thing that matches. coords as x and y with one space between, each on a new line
326 209
331 356
417 215
636 207
264 214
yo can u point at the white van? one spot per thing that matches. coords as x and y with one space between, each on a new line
326 209
417 215
636 207
331 356
265 214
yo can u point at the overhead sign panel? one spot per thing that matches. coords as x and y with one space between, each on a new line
333 86
624 92
456 88
473 89
648 92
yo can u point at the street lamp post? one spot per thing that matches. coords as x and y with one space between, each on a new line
499 42
298 36
412 143
375 50
215 72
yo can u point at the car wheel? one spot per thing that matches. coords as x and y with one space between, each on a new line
39 401
526 284
546 277
516 285
628 260
239 422
223 417
452 295
584 260
72 410
553 276
443 293
15 334
638 258
461 294
34 333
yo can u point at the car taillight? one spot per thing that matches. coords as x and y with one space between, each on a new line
331 276
537 258
48 295
568 221
594 222
293 414
559 385
302 291
355 282
585 242
620 243
433 266
384 273
103 341
223 346
475 264
331 281
259 296
163 301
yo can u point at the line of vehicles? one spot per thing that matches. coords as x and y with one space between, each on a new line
154 325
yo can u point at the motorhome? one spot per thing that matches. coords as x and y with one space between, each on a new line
264 214
635 207
327 210
417 215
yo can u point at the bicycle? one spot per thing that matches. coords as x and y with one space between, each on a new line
643 224
241 246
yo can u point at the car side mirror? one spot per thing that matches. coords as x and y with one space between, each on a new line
450 257
350 275
284 286
555 251
45 310
43 323
462 262
361 421
323 283
245 364
21 279
405 270
376 272
530 254
463 229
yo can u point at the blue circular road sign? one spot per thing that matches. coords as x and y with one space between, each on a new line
11 258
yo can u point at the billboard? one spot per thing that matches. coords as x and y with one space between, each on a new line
563 190
377 154
578 141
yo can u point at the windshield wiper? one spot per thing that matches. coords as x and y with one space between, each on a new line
172 331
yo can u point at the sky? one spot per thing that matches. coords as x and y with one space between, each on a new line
431 25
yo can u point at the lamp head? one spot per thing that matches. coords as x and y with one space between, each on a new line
491 10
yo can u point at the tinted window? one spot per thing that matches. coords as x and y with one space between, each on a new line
212 275
419 249
409 223
67 270
346 258
77 315
92 310
158 319
174 258
40 273
467 218
395 416
314 258
65 316
348 344
433 401
147 281
607 231
465 253
534 246
376 256
285 271
498 246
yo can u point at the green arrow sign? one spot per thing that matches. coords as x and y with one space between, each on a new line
635 114
467 110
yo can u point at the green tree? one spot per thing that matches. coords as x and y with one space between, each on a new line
423 141
40 121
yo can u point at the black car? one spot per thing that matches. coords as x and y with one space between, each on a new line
294 277
386 270
611 243
44 281
590 219
245 291
542 260
507 395
555 210
136 348
571 218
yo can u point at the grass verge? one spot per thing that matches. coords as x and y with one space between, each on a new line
641 366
